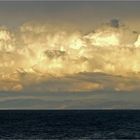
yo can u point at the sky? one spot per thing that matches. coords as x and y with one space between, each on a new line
69 55
78 13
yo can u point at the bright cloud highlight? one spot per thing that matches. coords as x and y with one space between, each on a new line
35 52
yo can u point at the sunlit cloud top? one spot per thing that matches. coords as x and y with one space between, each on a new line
69 54
37 51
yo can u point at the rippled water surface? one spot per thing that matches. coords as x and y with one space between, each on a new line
70 124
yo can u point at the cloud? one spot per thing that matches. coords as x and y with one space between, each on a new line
114 23
84 82
85 100
36 52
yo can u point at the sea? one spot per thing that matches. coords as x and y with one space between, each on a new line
70 124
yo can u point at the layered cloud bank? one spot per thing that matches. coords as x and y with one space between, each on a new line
35 52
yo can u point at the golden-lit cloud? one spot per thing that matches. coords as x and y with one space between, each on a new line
35 52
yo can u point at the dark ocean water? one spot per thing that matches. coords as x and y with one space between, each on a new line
70 124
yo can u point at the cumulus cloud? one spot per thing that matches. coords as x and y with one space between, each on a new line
35 53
